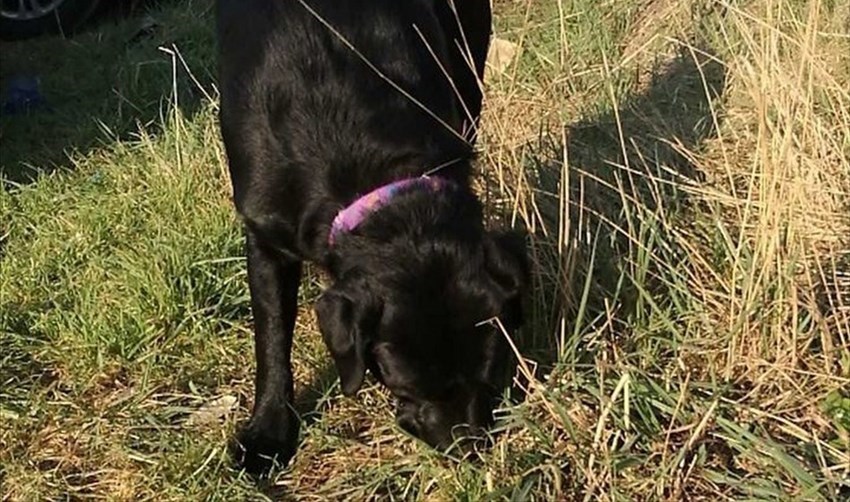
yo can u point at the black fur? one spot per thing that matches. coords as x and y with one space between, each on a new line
308 126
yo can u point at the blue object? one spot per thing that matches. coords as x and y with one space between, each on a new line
22 95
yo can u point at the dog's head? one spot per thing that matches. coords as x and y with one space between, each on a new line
419 323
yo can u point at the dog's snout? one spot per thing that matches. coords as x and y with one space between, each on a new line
406 416
442 426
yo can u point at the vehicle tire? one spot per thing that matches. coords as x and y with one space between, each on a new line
21 19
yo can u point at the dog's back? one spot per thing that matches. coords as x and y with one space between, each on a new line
336 95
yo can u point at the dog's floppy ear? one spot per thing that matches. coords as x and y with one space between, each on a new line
507 265
344 312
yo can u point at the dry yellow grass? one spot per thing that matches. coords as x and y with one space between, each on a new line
762 238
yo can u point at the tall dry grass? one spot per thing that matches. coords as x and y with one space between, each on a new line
694 236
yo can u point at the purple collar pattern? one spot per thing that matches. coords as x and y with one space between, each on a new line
350 217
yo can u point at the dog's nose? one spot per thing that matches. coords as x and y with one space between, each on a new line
439 428
406 417
409 424
425 422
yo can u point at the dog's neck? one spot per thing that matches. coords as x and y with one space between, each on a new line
424 211
352 216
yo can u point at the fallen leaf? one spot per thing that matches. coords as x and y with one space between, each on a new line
501 55
212 411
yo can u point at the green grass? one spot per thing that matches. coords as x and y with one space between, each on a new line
683 168
102 85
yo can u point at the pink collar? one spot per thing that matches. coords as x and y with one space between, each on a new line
350 217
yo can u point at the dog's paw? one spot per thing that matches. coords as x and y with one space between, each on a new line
266 444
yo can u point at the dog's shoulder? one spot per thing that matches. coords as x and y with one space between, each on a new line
321 99
350 90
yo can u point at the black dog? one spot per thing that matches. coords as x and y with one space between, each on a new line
322 102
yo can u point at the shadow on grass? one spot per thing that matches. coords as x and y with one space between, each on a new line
310 395
104 83
616 189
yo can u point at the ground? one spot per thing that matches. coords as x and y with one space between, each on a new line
682 168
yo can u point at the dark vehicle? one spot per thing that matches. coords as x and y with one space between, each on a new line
29 18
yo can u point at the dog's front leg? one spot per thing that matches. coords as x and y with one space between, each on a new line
271 436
